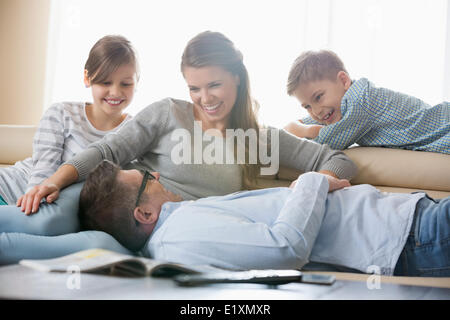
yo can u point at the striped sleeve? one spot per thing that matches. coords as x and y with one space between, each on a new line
48 146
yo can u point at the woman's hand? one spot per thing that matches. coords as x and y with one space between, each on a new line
336 184
333 182
30 201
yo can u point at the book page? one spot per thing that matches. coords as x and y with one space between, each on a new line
86 260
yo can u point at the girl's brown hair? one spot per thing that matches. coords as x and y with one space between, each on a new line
108 54
214 49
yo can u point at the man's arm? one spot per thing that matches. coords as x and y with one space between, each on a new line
301 216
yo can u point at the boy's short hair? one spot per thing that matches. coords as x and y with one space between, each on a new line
107 204
314 66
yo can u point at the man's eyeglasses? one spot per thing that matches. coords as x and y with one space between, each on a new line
147 176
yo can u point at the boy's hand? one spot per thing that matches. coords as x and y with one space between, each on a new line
313 131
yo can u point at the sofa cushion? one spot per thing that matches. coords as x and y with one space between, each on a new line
401 168
394 170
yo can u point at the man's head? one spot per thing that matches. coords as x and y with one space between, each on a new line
112 201
319 80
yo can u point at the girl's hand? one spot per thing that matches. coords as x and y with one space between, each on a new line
29 202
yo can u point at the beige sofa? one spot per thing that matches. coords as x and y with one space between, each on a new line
388 169
15 143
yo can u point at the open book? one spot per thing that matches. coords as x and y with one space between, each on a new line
114 263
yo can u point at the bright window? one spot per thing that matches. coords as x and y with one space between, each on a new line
397 44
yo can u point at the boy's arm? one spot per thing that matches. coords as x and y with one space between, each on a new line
301 130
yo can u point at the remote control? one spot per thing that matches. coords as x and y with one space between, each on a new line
269 277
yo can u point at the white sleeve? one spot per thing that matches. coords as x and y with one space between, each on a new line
300 218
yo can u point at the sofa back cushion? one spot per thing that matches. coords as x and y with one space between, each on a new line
394 168
401 168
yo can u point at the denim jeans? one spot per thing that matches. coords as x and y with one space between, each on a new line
427 250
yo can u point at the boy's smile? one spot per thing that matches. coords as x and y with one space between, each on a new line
322 98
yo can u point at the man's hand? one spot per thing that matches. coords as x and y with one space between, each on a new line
29 202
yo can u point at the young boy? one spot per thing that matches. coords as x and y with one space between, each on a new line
343 112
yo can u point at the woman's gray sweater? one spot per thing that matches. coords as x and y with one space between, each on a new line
154 140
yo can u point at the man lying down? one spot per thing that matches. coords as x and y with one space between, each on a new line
319 219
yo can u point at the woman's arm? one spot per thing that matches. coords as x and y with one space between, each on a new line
308 156
123 146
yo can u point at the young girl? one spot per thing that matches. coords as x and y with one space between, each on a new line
68 127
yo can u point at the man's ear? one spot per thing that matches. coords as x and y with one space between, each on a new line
145 216
344 78
86 80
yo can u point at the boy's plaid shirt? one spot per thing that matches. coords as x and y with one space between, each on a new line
374 116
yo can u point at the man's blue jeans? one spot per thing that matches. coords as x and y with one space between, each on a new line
427 250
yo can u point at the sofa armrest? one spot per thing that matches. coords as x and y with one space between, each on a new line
16 143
